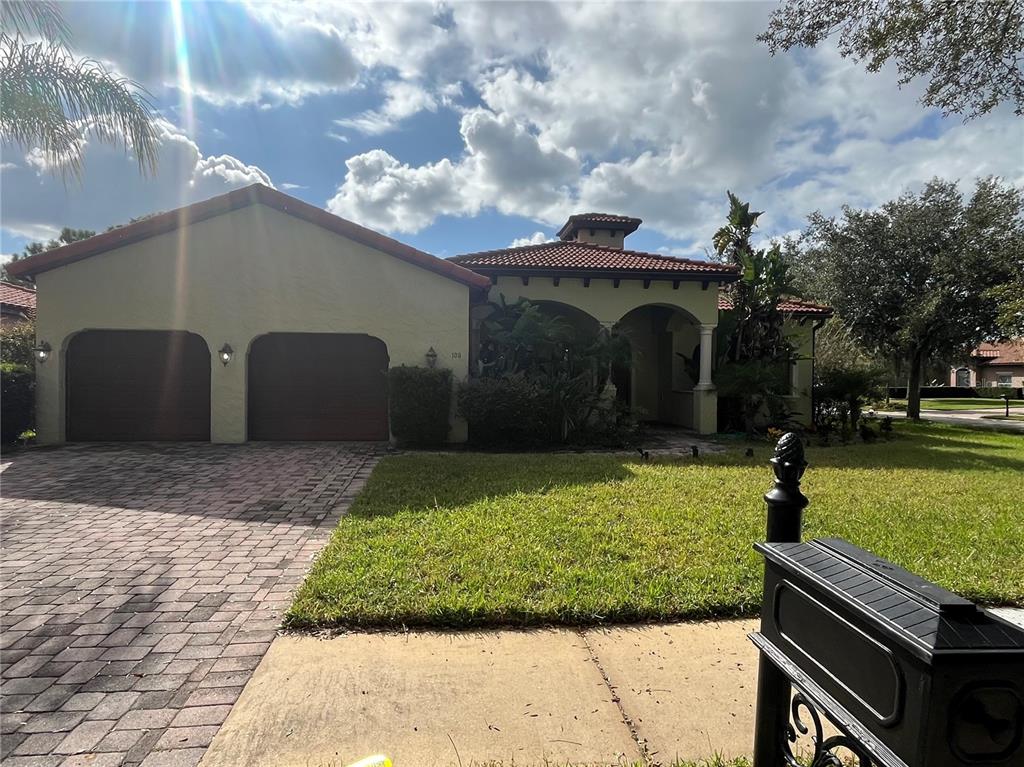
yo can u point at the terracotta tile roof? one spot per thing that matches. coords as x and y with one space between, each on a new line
1004 353
600 220
588 258
787 306
240 198
19 297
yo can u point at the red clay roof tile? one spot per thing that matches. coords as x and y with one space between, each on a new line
563 257
599 220
19 297
1003 353
786 306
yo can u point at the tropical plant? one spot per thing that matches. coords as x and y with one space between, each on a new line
755 357
49 99
561 369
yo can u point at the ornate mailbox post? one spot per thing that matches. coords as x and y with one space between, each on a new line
907 673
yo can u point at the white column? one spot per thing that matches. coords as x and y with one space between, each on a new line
706 342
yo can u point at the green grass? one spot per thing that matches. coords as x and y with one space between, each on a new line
955 403
482 539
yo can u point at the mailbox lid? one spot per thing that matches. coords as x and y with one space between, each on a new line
917 613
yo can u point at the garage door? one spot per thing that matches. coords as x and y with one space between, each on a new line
317 386
138 385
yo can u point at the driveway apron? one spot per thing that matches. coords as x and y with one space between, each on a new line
142 584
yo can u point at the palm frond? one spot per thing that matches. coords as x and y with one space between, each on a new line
21 18
48 98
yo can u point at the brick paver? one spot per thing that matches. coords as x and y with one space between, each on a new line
140 586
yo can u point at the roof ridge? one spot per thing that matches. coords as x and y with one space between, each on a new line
649 254
510 249
597 247
16 286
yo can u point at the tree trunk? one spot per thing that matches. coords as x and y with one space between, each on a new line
914 386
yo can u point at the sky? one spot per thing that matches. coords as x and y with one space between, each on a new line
458 127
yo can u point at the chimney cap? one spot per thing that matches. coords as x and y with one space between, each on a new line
578 221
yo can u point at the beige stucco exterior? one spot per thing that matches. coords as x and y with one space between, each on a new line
995 375
236 276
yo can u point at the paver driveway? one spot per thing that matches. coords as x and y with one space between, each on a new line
142 584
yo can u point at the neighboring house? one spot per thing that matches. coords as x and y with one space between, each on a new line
255 315
17 303
1000 364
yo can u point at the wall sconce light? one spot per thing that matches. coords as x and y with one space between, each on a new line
431 356
226 353
42 351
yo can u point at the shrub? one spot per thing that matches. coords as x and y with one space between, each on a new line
997 392
17 400
841 392
16 342
751 395
420 401
505 412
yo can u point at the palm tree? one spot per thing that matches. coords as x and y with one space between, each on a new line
49 99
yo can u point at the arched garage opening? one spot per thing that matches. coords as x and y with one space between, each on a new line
317 386
130 385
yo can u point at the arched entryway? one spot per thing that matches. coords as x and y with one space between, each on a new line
317 386
664 369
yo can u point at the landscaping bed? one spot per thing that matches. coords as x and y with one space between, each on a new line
481 539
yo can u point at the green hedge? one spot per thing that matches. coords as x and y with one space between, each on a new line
17 400
997 392
504 412
420 401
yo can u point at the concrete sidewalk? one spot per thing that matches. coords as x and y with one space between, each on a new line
973 419
601 696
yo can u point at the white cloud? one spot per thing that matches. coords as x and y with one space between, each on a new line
111 189
537 238
401 100
659 111
236 53
505 166
381 192
289 187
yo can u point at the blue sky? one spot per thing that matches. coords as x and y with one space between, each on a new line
459 126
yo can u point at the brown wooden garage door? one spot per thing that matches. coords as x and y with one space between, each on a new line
317 386
138 385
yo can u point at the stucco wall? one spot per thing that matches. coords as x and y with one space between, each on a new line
608 304
802 379
235 277
989 376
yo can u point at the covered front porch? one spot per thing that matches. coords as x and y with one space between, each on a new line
669 329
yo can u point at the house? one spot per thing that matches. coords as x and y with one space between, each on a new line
17 303
256 316
998 364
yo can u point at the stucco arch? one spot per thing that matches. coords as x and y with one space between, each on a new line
609 300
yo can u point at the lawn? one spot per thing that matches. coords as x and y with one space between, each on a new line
472 539
958 403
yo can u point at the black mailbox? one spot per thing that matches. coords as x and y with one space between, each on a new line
918 675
